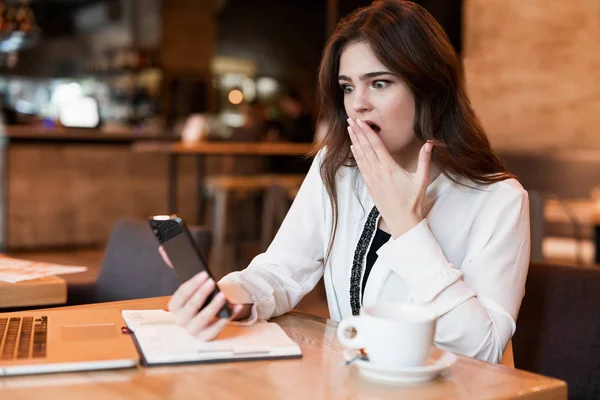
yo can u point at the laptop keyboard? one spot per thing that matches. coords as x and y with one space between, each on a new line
23 337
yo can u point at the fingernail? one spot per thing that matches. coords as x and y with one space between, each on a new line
359 122
429 147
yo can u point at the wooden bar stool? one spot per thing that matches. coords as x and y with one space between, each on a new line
278 190
221 191
278 197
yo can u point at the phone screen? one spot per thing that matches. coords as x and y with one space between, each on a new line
184 256
182 251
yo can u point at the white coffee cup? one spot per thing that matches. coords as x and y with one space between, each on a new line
395 335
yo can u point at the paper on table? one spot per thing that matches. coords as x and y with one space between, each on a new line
13 270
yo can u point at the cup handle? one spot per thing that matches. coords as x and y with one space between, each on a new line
356 342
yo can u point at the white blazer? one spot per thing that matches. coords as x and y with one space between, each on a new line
467 259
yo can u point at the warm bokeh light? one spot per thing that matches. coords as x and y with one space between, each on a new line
235 96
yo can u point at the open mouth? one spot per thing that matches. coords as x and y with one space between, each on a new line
374 126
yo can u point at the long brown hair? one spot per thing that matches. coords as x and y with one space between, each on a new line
407 40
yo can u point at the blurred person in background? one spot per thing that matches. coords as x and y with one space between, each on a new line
255 124
295 125
256 128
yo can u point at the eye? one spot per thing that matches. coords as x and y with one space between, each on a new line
381 84
346 88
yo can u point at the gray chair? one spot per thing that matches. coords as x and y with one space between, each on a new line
132 268
565 176
537 225
558 329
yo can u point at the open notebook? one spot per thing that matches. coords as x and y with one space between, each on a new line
160 341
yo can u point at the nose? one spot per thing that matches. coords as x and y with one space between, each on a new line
361 102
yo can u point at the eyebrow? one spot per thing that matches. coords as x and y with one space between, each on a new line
366 76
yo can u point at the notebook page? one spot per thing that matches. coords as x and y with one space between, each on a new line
161 341
136 318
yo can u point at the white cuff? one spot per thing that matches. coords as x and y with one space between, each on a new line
248 321
233 291
238 291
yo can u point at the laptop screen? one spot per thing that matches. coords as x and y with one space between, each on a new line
82 112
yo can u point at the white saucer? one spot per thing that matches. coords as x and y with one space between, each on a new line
438 362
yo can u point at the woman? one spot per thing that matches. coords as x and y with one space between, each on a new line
404 202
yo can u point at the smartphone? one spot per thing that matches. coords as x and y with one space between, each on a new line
174 237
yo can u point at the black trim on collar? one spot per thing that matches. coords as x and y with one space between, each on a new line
359 257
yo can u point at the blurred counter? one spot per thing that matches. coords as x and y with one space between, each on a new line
66 187
25 133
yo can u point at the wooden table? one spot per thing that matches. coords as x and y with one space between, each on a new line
202 149
320 374
47 291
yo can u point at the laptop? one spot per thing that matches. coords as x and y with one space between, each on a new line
35 342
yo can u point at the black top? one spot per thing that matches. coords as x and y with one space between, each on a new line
379 240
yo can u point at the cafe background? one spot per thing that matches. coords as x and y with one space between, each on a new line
149 65
530 69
